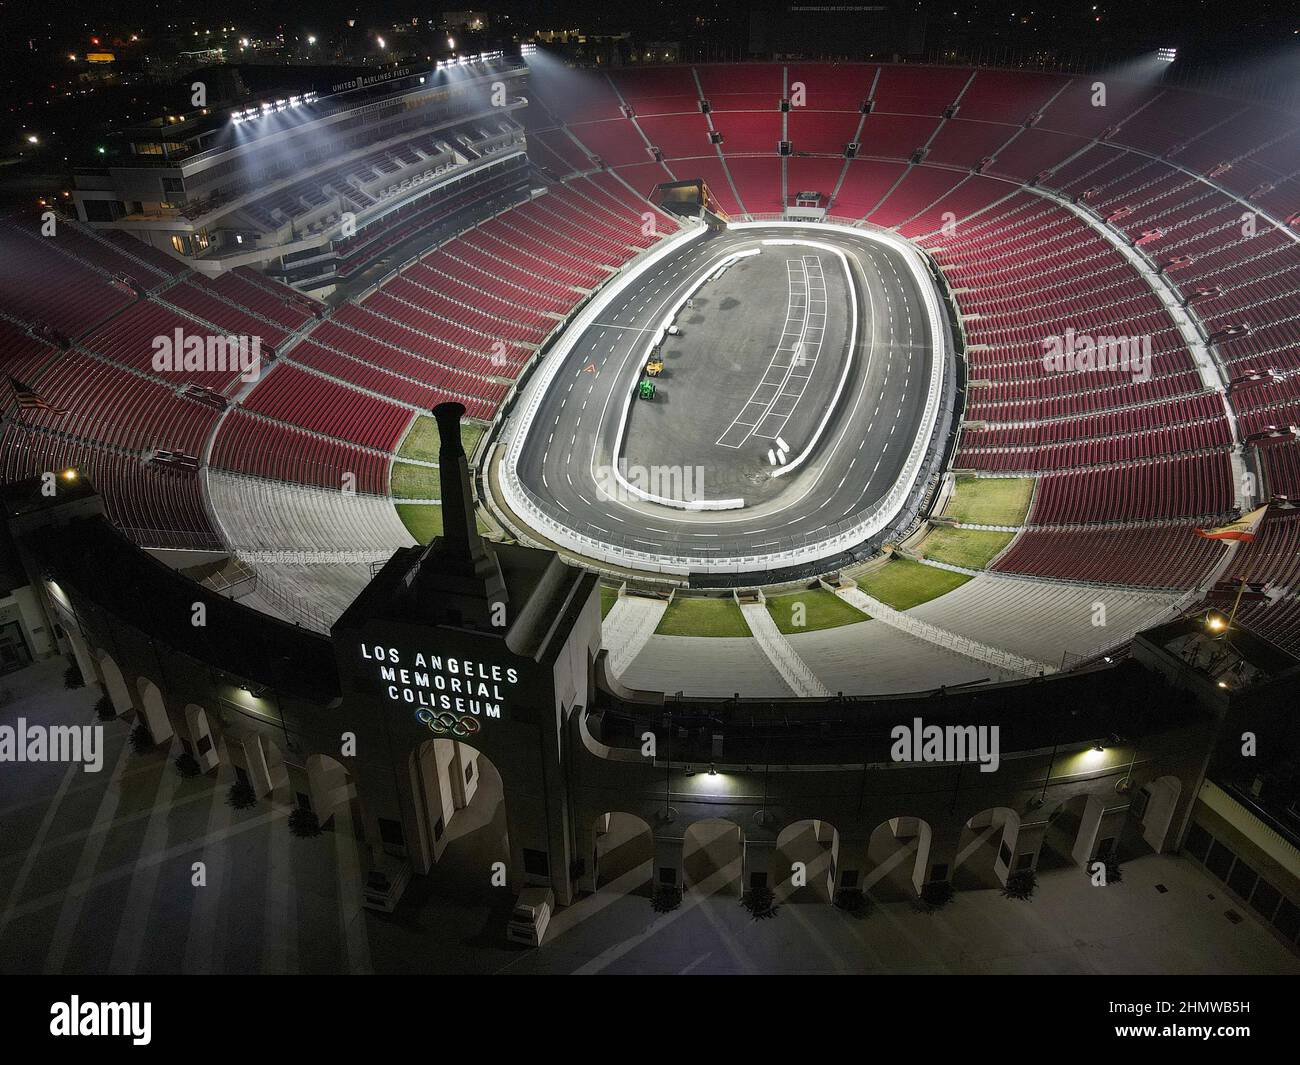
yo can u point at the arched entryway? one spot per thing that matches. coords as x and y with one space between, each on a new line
804 861
258 762
329 788
986 854
623 854
1070 837
118 693
153 711
713 857
199 740
1149 827
898 855
460 812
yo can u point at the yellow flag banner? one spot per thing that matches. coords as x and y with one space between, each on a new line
1244 528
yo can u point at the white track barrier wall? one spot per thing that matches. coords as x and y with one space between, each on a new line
878 517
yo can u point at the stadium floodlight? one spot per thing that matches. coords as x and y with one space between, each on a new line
1166 55
290 104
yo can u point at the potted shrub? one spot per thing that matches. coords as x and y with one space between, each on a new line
1021 884
760 902
186 764
241 795
1114 874
936 895
667 897
141 740
72 677
304 823
853 901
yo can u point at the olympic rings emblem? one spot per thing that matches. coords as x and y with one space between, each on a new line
444 723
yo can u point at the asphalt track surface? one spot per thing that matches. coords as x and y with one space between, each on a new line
859 456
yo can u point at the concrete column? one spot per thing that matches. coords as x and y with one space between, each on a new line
327 783
851 866
941 861
1085 843
587 837
85 661
1030 840
1110 826
154 712
255 764
115 685
757 859
670 868
196 721
466 758
1159 814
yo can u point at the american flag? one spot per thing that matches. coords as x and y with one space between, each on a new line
28 399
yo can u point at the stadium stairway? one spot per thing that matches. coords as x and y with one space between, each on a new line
626 628
783 657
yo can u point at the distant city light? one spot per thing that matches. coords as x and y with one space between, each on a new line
382 43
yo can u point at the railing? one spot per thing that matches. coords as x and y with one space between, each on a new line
171 539
292 606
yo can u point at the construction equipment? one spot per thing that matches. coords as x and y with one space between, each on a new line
646 389
655 365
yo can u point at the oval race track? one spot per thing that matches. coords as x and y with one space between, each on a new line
575 425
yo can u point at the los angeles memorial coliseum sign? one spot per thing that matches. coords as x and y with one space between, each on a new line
451 694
